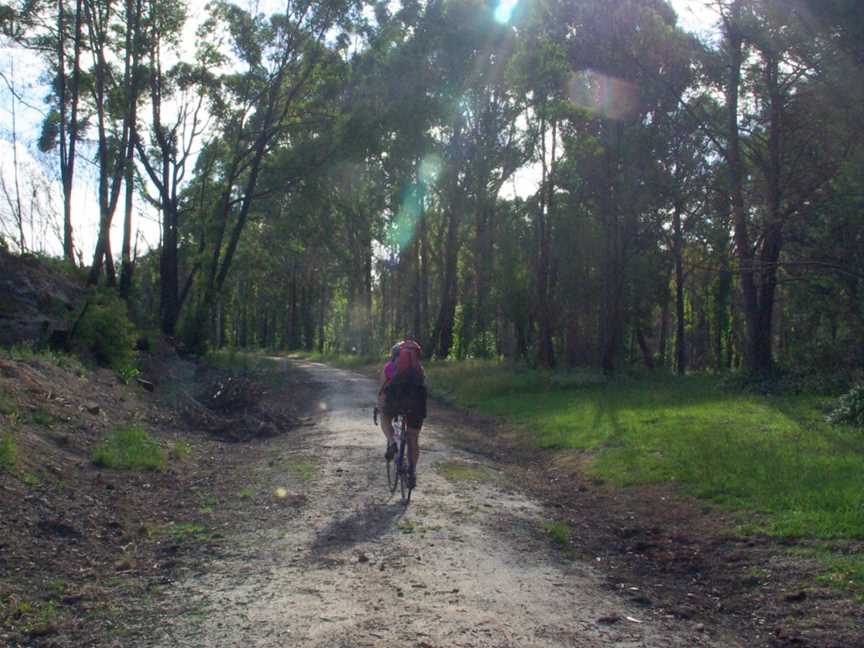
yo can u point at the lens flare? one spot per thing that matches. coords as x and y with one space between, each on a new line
505 9
430 169
604 95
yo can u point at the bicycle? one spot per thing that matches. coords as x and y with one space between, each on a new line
399 468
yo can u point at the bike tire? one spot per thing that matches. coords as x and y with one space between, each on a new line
393 465
404 464
392 475
403 486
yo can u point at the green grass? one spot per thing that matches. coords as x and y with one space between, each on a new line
31 479
458 471
42 417
29 354
189 532
303 469
343 360
774 455
843 570
7 405
130 448
234 360
8 451
559 532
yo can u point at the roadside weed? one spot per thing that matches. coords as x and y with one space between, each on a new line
303 469
7 405
43 417
8 451
31 479
189 532
130 448
559 532
181 450
458 471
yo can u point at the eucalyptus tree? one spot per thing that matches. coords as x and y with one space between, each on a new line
167 146
56 32
114 51
280 63
789 125
623 59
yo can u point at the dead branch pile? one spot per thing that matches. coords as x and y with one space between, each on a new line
231 409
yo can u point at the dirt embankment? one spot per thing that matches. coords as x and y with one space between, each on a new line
81 546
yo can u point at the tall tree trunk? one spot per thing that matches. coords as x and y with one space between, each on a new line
442 335
126 267
546 350
680 324
643 346
735 166
664 320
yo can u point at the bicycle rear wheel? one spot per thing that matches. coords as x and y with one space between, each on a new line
394 463
403 485
392 475
404 463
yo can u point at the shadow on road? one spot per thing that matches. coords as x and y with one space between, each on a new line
370 522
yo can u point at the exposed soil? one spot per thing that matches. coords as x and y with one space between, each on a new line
292 539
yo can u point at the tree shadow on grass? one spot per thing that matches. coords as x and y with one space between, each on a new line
371 521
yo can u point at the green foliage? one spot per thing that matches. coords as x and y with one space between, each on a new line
7 405
849 408
30 354
786 381
128 373
105 331
42 417
559 532
130 448
8 451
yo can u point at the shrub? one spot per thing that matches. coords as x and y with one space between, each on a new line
849 408
8 451
181 451
105 331
130 448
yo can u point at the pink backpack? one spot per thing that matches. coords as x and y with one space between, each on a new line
408 367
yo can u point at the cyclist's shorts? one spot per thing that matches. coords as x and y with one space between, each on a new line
408 399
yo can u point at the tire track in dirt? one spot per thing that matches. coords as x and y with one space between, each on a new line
466 564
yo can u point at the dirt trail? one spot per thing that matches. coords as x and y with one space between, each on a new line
466 564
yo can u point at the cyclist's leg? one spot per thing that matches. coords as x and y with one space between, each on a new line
414 424
414 445
387 427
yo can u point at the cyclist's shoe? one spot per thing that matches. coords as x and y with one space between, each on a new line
412 481
391 451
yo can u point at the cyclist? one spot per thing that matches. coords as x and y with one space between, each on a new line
402 391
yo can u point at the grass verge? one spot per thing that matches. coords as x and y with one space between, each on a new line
775 455
130 448
343 360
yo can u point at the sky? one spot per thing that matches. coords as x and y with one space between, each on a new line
24 70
